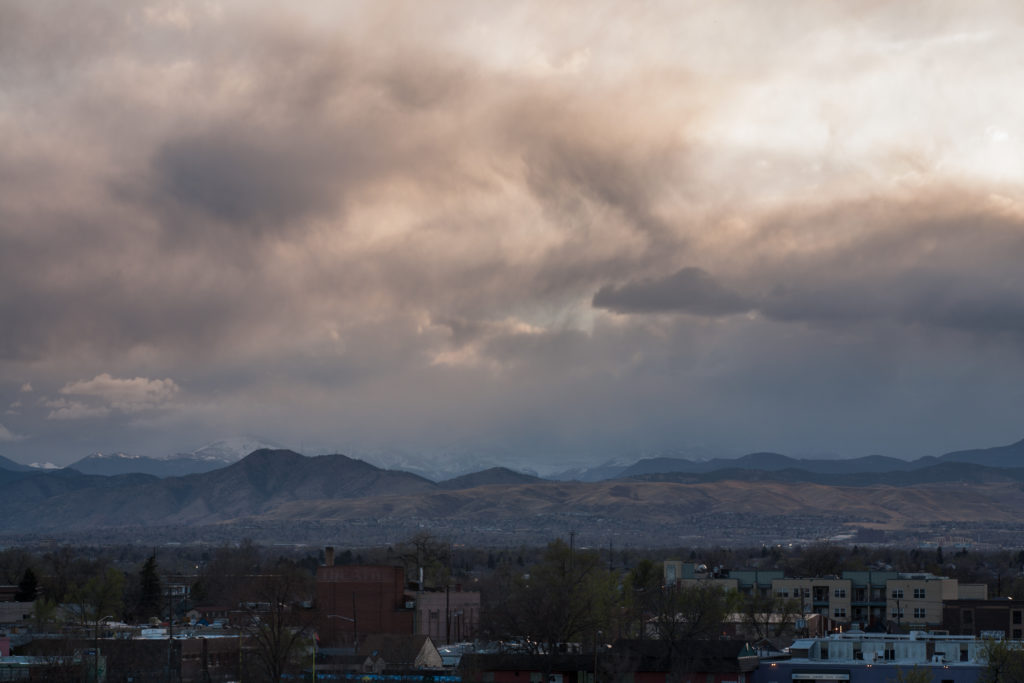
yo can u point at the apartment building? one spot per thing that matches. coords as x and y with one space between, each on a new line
856 599
828 596
678 573
915 600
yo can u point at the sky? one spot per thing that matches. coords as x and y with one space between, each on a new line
557 232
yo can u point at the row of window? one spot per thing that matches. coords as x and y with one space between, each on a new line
897 593
919 613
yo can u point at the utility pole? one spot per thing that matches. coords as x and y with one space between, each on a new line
170 628
447 599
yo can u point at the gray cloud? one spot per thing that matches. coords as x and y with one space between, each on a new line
375 222
254 184
940 263
688 290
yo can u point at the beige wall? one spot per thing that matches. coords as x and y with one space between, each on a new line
933 592
839 593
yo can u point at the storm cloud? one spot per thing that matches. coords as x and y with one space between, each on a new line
688 290
559 234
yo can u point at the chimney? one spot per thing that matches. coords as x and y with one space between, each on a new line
329 556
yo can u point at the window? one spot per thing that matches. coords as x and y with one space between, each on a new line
897 593
919 612
782 593
897 613
1016 634
839 593
919 593
839 612
890 653
1016 616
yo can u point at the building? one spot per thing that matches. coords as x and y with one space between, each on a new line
354 601
447 616
856 657
915 600
189 660
828 596
357 600
638 661
15 614
397 653
1002 618
856 599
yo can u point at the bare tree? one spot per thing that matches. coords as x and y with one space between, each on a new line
426 551
769 616
566 597
278 621
692 612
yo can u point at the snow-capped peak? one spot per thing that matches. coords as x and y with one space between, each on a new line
44 466
234 448
119 456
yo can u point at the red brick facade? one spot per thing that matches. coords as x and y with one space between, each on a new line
354 600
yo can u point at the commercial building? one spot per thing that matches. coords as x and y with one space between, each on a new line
999 618
354 601
856 657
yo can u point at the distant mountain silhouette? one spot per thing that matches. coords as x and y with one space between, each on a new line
285 488
999 456
210 457
256 484
119 463
8 464
492 477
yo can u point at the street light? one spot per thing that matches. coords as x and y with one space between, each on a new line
96 648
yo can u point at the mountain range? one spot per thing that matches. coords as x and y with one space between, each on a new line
206 459
277 493
435 467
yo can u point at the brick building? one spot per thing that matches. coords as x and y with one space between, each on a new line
985 618
355 600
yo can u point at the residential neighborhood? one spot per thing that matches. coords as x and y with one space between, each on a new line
565 618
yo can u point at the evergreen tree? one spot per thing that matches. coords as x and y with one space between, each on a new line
28 587
150 593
